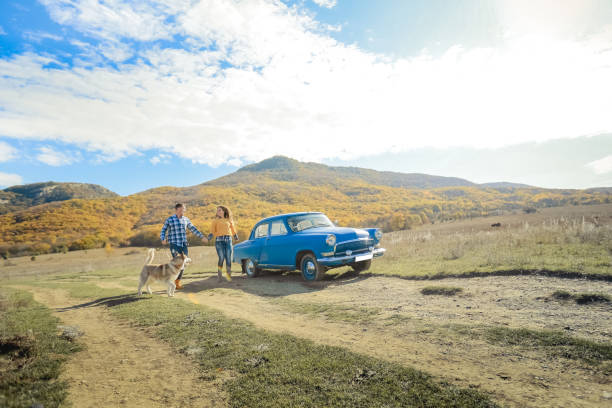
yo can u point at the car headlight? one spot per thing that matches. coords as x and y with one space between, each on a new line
378 234
330 240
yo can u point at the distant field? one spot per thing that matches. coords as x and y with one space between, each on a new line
350 196
576 240
563 240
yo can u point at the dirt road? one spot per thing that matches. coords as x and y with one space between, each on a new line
124 367
419 337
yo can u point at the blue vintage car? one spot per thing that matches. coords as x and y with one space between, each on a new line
309 242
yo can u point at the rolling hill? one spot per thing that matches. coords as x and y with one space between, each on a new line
28 195
351 196
285 169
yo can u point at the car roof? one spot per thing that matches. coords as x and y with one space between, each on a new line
276 217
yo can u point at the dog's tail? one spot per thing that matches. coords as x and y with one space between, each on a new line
150 256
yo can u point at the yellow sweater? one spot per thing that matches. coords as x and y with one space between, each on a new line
222 226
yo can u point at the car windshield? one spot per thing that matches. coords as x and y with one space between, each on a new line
302 222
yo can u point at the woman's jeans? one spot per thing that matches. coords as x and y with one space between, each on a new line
223 245
179 249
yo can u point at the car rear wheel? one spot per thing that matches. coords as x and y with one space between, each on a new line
311 270
249 268
361 266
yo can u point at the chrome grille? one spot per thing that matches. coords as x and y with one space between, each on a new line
356 246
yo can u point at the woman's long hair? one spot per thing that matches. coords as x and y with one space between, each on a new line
226 212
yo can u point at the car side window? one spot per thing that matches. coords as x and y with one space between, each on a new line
262 231
278 228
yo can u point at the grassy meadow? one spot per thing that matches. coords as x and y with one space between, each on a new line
266 369
31 352
274 341
562 240
573 240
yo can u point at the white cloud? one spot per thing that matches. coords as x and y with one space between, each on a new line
292 89
2 32
7 152
9 179
52 157
552 18
112 19
235 162
116 52
326 3
601 166
160 158
38 36
334 28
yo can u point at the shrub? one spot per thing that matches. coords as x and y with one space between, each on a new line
581 298
88 242
145 239
584 298
441 290
562 295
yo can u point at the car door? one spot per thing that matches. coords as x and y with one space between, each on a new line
259 240
275 252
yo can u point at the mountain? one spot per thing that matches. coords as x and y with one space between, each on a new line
17 197
607 190
350 195
505 184
285 169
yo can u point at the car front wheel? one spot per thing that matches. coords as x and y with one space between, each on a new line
311 270
249 268
361 266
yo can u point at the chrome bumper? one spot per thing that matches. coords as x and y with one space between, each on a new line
348 259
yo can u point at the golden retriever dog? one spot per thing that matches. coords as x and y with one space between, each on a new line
165 272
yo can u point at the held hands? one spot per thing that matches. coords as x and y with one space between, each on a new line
165 241
210 237
235 237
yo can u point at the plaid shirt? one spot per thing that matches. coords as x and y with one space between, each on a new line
176 229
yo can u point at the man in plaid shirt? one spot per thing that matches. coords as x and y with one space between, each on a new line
174 232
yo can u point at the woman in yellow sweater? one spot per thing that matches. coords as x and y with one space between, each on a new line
223 230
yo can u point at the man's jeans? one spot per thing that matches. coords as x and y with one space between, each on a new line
179 249
223 245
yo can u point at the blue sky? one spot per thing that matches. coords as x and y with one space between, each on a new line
134 95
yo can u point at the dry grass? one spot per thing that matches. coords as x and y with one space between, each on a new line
575 243
574 240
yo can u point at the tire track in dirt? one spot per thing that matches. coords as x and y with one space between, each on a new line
514 378
122 366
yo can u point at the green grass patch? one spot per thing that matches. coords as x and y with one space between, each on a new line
339 313
441 290
581 298
396 319
276 370
556 343
31 352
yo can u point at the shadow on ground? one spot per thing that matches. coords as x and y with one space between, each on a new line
109 301
271 284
